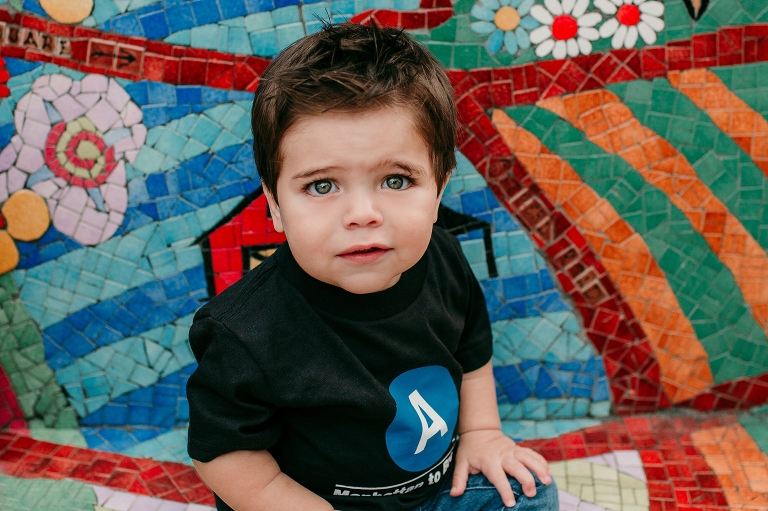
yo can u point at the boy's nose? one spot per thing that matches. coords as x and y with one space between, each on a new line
362 211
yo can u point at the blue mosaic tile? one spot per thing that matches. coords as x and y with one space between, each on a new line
126 365
162 405
197 183
168 446
545 380
118 439
136 311
50 246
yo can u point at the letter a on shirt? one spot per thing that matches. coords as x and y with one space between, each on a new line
438 424
427 411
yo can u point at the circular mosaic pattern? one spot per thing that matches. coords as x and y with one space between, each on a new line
67 11
25 216
76 152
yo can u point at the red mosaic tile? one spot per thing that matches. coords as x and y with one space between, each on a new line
24 457
625 349
11 415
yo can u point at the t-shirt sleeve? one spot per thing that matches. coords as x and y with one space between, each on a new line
229 401
476 343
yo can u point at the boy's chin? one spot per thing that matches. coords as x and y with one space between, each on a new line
366 284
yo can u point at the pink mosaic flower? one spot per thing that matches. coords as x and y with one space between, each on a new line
72 141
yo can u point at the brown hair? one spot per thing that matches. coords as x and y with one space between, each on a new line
353 67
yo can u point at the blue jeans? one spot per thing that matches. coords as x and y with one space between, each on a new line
481 495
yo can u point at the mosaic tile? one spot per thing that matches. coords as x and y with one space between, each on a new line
738 463
664 227
594 481
682 359
112 500
65 436
24 457
11 415
192 135
170 446
729 113
756 426
162 405
119 438
23 362
610 125
561 409
127 365
203 181
544 380
509 181
138 310
530 429
552 337
83 277
524 286
33 494
728 172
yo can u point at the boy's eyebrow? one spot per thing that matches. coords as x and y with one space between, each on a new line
411 169
312 172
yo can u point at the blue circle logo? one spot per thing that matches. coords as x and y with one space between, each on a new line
427 410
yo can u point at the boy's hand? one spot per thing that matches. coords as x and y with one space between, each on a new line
496 455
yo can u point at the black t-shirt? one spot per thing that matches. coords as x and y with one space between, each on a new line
355 396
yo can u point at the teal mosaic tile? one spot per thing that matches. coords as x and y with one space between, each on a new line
552 337
703 286
127 365
529 429
747 82
22 358
180 140
757 427
111 268
170 446
720 163
35 494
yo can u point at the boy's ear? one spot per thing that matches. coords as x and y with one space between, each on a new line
274 209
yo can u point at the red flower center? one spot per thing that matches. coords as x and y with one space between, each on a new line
3 223
628 15
564 27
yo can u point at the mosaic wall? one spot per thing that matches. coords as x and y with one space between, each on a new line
611 196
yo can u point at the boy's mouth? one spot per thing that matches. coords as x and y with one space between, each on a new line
364 253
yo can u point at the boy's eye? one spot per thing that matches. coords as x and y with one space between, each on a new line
323 187
396 182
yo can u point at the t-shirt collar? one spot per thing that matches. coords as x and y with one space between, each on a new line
341 303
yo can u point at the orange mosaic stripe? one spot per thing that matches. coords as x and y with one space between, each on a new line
611 125
730 113
739 464
623 252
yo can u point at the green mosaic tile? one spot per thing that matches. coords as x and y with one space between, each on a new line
757 427
23 359
747 82
720 163
704 287
36 494
466 56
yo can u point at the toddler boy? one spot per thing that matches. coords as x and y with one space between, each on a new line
351 369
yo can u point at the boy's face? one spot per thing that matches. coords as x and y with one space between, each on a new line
357 197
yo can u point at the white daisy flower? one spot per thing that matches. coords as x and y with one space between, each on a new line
567 28
631 18
73 139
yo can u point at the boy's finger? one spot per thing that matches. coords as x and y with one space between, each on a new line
536 464
459 481
523 476
499 479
